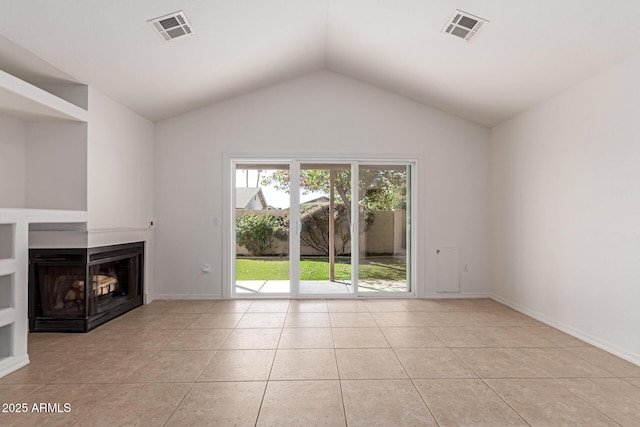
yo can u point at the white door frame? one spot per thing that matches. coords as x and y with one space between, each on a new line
228 235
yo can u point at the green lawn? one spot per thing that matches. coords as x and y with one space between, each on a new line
380 268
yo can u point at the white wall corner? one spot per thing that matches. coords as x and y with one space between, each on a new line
571 330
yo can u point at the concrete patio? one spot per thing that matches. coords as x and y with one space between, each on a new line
317 286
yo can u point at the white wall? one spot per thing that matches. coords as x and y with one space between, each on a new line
57 165
13 162
120 165
322 113
565 210
76 94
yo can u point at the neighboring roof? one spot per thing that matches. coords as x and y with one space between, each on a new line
245 194
318 200
527 52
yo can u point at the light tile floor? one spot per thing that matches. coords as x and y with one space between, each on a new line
315 362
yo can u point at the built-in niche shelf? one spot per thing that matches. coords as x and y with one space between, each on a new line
6 316
7 299
6 336
7 266
47 134
27 102
7 342
6 241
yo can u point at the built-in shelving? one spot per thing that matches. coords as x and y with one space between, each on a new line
6 316
7 299
7 266
14 230
25 101
57 133
6 335
6 241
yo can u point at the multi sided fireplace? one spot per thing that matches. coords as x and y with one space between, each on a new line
76 290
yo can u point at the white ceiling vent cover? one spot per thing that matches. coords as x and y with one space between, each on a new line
172 26
464 25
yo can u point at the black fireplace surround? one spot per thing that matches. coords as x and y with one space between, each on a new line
76 290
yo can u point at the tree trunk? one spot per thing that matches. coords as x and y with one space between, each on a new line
345 199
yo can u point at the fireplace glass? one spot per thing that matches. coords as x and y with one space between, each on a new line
61 290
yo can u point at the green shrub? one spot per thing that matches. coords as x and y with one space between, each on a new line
256 232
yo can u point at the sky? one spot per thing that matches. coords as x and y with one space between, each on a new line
275 198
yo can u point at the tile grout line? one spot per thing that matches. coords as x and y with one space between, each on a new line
335 356
409 377
491 388
589 361
275 353
140 367
179 403
589 403
626 379
153 355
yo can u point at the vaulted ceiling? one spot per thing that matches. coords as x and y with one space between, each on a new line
530 49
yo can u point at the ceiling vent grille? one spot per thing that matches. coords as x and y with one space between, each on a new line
172 26
464 25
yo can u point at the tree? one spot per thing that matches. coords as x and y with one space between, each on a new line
256 232
315 228
314 180
381 188
391 196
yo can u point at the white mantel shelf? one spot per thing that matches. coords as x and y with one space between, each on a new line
51 239
13 215
25 101
15 273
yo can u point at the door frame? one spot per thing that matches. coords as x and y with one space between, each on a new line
294 160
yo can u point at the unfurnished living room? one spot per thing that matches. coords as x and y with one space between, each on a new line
320 212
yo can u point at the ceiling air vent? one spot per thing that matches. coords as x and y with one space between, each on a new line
172 26
464 25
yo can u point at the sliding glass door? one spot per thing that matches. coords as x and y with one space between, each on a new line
262 225
322 229
384 229
325 233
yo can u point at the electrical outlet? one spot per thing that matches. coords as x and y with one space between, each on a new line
465 268
206 268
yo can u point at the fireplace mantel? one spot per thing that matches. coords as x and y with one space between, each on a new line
44 216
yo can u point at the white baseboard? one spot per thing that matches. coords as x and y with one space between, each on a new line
450 295
577 333
381 295
12 363
187 296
